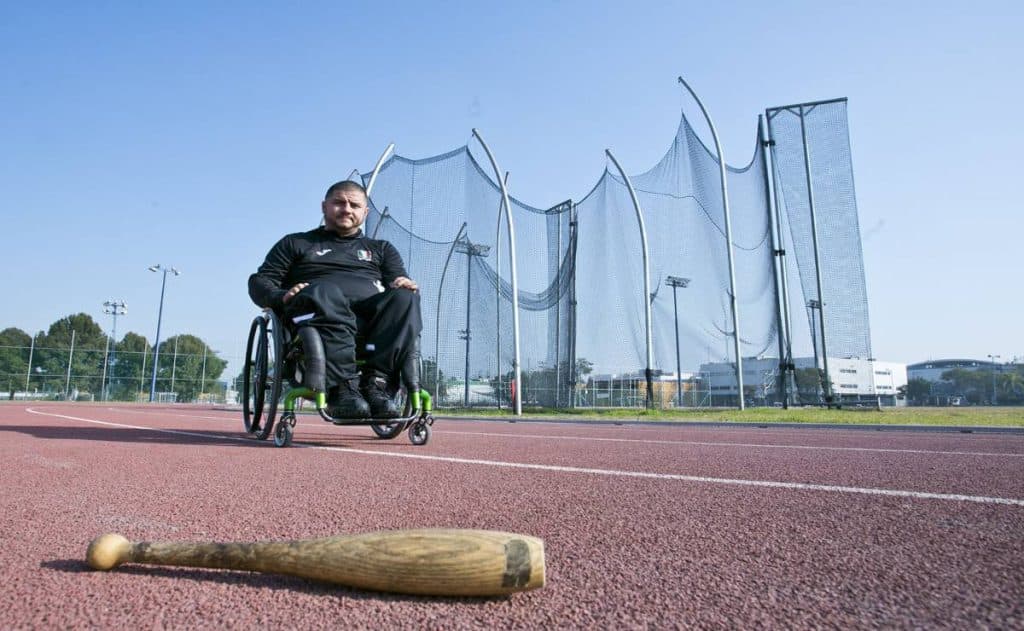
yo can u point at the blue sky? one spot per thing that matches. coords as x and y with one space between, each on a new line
195 134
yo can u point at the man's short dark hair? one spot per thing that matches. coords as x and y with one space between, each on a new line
345 185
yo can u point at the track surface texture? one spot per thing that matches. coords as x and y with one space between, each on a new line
645 526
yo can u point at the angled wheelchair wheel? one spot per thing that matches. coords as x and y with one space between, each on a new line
419 433
283 433
254 376
261 388
387 431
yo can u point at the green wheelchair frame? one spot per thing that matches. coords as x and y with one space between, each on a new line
271 351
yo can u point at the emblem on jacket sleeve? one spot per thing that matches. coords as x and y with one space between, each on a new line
364 255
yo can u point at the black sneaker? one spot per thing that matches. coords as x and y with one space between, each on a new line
347 402
382 405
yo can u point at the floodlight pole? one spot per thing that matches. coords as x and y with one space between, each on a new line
513 272
676 282
113 308
470 250
648 371
159 320
728 242
992 364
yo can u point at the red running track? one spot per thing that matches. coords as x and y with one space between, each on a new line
644 526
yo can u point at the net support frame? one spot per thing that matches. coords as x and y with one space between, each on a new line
376 169
827 386
648 372
497 293
778 270
518 403
728 243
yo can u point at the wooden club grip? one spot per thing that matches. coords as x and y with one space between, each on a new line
437 562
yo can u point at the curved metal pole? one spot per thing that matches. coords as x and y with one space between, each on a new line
376 168
648 374
497 291
437 320
728 243
514 274
373 180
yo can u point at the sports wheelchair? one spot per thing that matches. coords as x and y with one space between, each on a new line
276 353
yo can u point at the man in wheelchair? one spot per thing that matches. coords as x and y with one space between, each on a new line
339 281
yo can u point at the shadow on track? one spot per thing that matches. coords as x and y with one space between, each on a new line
173 436
259 581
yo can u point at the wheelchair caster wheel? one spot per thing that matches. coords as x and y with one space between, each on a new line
283 434
419 433
387 431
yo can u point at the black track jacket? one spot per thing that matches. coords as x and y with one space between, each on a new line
361 266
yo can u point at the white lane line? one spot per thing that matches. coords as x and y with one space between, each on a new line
232 415
142 427
694 443
175 414
979 499
649 441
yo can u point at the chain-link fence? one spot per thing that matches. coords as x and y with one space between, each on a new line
90 374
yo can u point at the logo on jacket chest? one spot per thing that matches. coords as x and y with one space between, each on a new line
364 255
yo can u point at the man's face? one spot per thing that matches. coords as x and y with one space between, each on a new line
344 212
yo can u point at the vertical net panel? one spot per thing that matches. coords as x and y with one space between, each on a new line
609 281
580 271
844 299
467 290
684 217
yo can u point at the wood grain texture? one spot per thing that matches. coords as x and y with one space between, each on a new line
435 562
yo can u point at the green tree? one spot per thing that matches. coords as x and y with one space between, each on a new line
131 365
14 349
583 368
976 385
187 366
54 348
918 390
1010 386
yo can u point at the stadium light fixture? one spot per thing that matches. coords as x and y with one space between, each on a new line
159 321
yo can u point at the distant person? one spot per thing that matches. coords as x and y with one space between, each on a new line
338 280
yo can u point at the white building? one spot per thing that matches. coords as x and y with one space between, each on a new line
853 380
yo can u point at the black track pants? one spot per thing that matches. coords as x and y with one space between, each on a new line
389 323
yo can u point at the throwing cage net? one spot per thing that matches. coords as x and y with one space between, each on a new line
580 272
